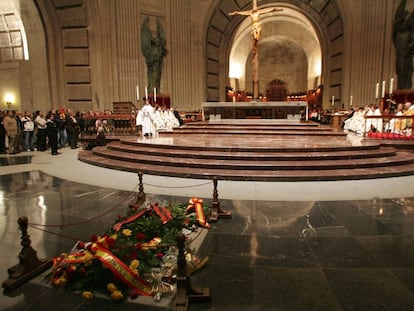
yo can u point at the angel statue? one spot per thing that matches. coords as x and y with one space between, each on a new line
403 38
154 51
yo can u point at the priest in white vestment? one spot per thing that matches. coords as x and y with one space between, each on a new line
373 124
159 123
357 122
393 125
146 118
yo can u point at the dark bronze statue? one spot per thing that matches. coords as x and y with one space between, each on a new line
403 38
154 51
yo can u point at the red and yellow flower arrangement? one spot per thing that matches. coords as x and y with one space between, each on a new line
119 263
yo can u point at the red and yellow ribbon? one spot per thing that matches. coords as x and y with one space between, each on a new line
163 212
123 272
197 205
118 225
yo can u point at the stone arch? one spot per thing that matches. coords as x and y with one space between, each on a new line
283 59
67 34
324 16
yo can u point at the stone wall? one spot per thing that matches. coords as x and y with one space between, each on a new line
87 55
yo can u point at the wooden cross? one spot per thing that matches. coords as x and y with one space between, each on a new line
255 13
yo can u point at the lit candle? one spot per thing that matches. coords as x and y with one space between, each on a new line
146 93
333 100
377 90
307 113
391 85
155 94
383 89
137 92
350 101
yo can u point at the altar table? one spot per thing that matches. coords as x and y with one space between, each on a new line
254 110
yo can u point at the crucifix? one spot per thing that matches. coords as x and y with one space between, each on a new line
255 13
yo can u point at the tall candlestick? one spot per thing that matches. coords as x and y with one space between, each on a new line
137 92
377 90
155 94
391 85
383 89
333 100
350 101
146 93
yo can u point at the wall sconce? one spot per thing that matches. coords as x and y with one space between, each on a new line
9 99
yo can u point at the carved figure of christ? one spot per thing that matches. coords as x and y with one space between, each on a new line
255 13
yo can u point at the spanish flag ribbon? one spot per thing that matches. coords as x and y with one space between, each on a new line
68 259
123 272
151 244
163 212
118 225
197 205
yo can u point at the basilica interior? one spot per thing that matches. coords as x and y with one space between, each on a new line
320 219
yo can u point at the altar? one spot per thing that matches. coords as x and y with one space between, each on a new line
254 110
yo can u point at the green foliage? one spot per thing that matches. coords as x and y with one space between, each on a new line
145 239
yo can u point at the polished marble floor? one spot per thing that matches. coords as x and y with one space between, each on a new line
288 246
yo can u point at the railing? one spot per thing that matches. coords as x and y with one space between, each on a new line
116 125
389 127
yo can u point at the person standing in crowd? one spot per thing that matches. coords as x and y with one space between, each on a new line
81 121
148 128
19 138
60 120
28 130
40 123
2 134
52 133
11 127
72 128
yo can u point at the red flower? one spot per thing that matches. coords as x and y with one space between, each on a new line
138 246
110 241
80 245
140 236
160 255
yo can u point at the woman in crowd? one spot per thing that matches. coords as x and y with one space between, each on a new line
52 133
40 123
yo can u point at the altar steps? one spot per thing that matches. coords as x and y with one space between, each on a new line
254 123
257 131
206 158
246 153
257 127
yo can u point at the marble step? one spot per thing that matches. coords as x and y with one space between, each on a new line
236 164
255 128
285 132
243 174
281 154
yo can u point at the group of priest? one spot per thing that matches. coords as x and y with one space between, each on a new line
154 120
370 119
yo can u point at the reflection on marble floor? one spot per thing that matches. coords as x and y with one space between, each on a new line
15 160
328 255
